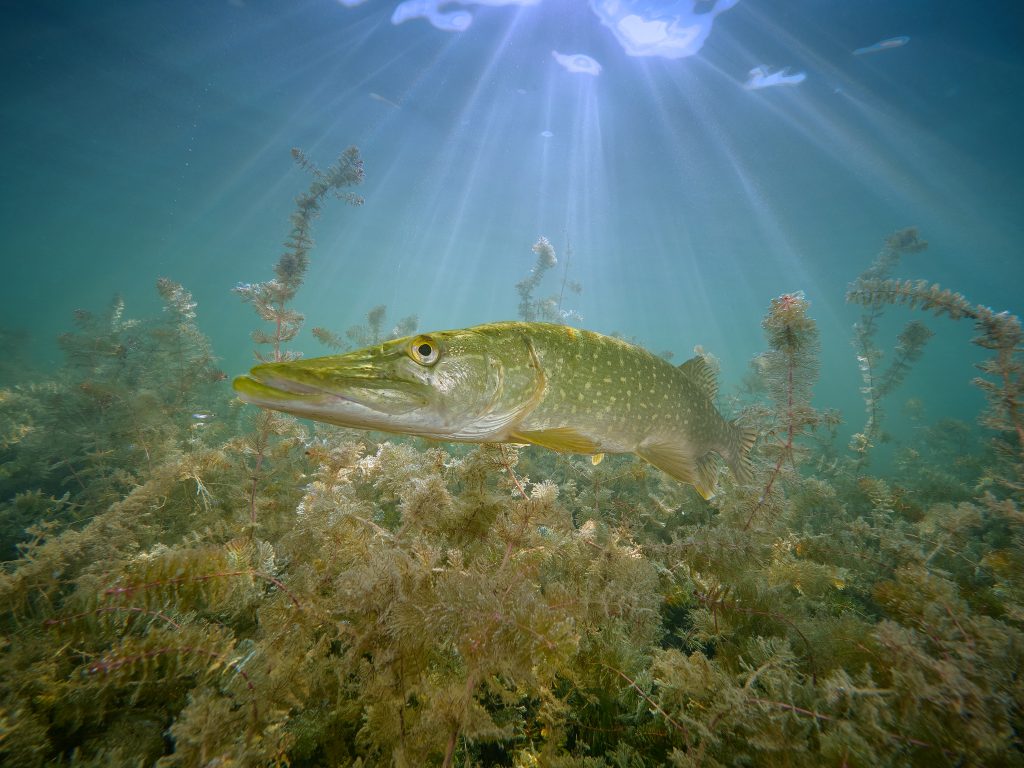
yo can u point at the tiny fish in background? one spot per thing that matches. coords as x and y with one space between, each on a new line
513 382
883 45
384 100
578 63
764 77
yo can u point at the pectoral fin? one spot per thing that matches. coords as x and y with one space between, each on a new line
700 472
565 439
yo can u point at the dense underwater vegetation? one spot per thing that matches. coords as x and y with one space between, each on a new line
196 582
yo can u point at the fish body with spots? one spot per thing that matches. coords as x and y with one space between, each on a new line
550 385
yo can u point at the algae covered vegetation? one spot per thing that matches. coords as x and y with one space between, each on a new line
193 582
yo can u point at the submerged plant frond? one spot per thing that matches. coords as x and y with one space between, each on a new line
999 332
547 309
788 370
878 385
270 298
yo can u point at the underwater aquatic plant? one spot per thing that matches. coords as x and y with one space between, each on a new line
530 309
910 343
270 298
328 338
127 397
909 346
567 284
548 309
372 332
998 332
191 355
788 370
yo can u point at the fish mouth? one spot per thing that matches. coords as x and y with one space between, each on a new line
272 391
253 388
343 400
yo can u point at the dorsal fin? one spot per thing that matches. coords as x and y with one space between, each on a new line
700 372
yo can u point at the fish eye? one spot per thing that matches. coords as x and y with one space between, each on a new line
424 350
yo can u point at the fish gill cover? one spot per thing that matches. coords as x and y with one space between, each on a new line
194 582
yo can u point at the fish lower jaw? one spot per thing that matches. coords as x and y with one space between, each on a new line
288 394
290 386
263 392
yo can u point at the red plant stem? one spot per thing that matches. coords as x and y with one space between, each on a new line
632 683
511 472
880 534
722 603
967 637
800 710
449 752
71 469
131 589
114 663
828 718
787 449
262 441
508 468
62 620
453 737
138 434
252 490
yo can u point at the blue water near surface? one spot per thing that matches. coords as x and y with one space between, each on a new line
146 139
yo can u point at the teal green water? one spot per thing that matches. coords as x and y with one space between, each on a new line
145 139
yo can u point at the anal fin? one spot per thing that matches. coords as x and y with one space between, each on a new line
707 475
700 472
565 439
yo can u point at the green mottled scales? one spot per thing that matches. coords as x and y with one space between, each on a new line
549 385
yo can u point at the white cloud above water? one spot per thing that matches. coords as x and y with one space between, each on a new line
671 29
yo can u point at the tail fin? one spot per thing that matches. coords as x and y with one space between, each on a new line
737 452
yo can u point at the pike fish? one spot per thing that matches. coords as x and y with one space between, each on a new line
513 382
